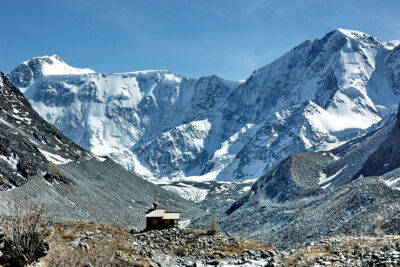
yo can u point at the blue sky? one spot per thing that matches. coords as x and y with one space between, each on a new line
230 38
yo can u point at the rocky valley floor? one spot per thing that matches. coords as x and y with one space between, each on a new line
82 243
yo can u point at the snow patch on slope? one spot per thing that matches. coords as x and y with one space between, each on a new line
187 191
130 161
340 118
394 182
225 155
11 161
56 159
323 179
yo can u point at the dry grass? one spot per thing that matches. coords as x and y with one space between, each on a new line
110 246
304 257
66 237
195 232
243 246
107 246
58 174
55 170
6 181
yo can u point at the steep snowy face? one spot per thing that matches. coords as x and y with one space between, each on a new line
160 124
108 113
209 94
28 71
344 72
304 127
346 82
178 152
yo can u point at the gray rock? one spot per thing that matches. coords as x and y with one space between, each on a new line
213 262
80 245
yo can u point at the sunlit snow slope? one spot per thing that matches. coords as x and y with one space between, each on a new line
163 125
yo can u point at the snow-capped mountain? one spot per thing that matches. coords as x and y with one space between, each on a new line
163 125
39 163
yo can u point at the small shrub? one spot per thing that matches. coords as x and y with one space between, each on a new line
377 223
24 240
181 252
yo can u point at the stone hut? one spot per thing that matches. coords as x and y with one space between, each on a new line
157 219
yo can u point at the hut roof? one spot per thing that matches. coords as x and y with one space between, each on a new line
155 214
164 215
172 216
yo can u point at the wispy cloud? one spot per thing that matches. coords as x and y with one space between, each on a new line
256 6
120 14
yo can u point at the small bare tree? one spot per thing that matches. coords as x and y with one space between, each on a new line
213 226
25 236
379 220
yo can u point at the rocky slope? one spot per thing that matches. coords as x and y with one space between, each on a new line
317 194
163 125
80 242
346 251
38 162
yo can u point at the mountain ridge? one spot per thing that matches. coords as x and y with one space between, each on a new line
137 110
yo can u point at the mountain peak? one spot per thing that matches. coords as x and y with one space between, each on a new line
25 73
54 65
366 38
351 33
46 57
